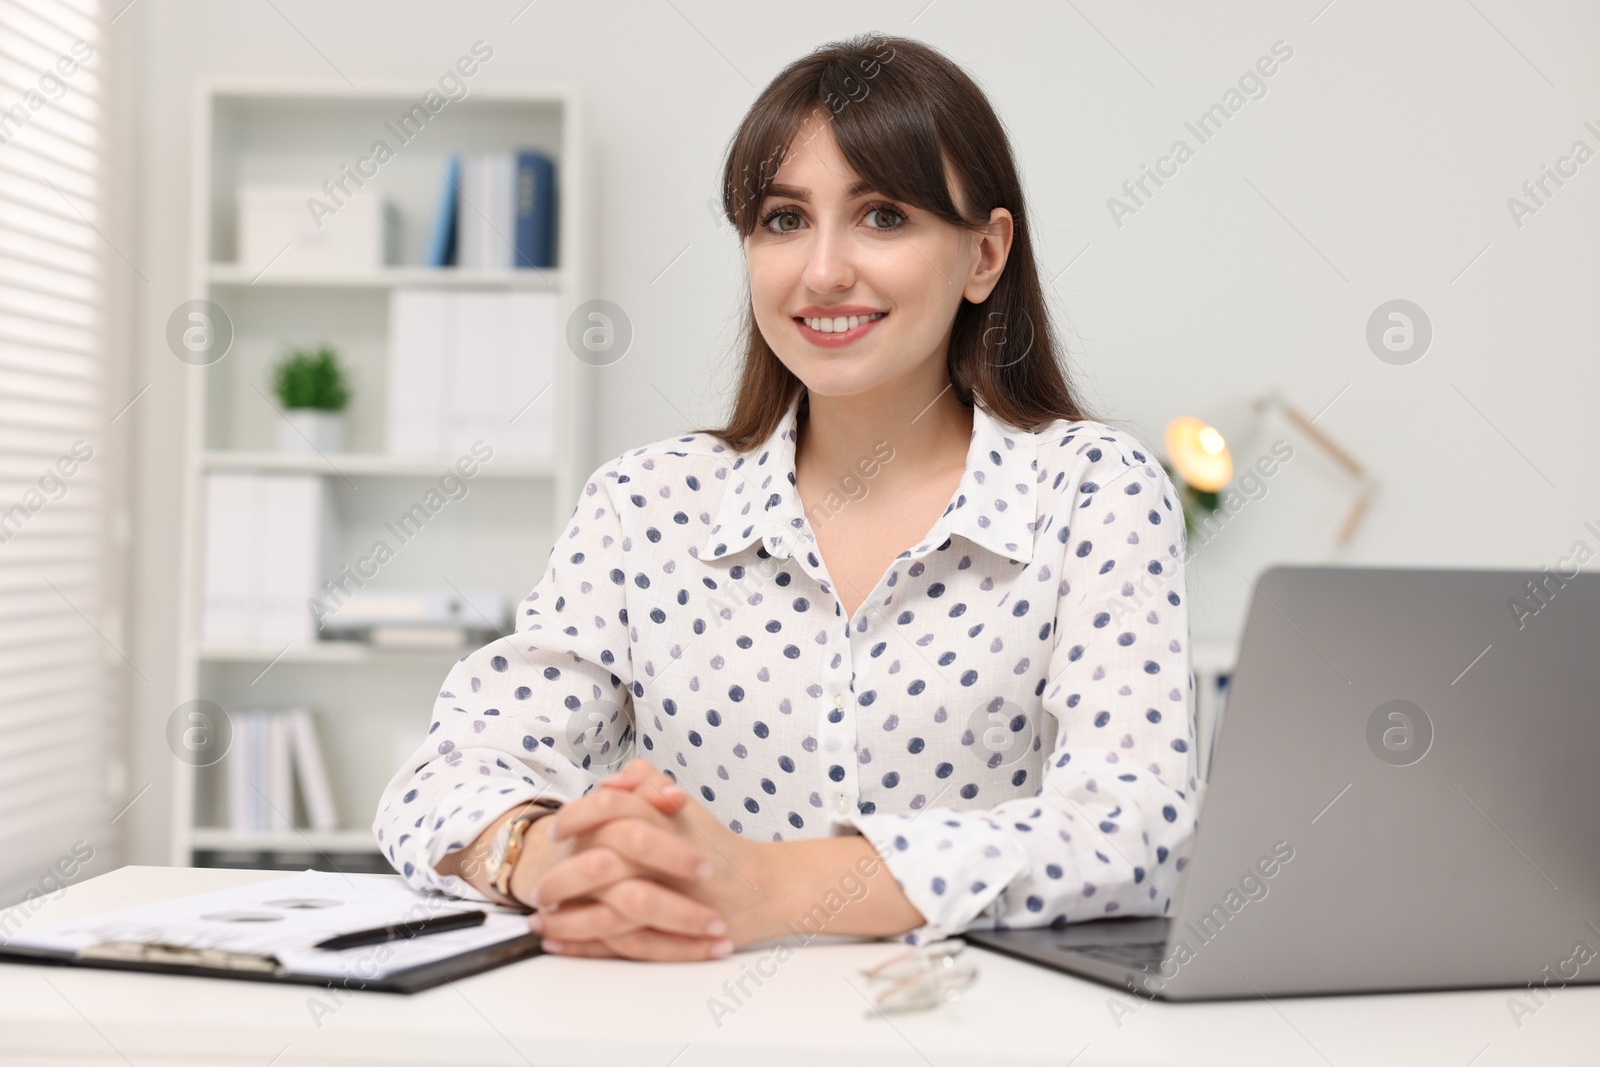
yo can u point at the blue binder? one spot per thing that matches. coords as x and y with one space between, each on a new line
442 241
535 223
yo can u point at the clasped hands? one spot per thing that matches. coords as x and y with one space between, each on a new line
645 871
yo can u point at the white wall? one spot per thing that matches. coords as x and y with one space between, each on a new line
1376 166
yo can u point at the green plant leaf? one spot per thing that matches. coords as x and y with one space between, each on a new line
311 378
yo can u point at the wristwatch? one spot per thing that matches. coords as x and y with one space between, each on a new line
507 845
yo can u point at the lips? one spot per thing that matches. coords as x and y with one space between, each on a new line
837 340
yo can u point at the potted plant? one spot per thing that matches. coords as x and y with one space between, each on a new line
312 388
1198 504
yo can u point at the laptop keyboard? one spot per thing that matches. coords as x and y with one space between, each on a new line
1133 954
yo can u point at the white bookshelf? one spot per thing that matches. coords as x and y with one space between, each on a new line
372 705
223 276
366 463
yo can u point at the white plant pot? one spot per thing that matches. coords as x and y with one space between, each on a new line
306 432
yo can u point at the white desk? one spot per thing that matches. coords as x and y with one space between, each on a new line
555 1010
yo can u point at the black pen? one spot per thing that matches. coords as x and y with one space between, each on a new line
396 931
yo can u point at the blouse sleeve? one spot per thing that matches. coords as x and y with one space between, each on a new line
1109 829
532 714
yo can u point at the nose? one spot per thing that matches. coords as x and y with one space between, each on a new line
829 265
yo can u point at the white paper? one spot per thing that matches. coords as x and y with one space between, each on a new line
528 426
292 509
419 370
285 917
229 553
280 774
312 772
477 348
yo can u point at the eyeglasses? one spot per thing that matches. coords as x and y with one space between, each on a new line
924 977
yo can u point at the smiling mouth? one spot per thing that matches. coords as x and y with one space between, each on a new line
840 324
832 333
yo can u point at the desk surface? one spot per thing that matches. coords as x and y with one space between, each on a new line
813 1008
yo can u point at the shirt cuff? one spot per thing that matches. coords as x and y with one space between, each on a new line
950 864
460 829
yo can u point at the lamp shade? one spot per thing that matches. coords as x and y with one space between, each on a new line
1201 447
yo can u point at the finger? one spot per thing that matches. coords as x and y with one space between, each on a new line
581 921
590 870
580 948
627 906
662 791
631 774
642 902
582 874
657 848
648 944
600 806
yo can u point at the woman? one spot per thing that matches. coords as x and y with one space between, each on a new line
901 650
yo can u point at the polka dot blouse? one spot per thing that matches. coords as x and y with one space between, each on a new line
1006 718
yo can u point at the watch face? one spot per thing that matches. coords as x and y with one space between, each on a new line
497 852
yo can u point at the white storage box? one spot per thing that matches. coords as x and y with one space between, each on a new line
303 228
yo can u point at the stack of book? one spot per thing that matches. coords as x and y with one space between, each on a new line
496 212
272 750
420 618
266 538
472 365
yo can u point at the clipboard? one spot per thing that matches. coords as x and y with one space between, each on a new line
268 931
214 963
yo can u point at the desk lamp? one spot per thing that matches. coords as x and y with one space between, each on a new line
1201 450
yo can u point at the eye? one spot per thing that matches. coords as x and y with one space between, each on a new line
775 213
887 209
895 213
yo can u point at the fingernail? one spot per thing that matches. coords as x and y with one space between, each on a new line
716 927
533 897
718 950
536 923
703 869
553 946
552 834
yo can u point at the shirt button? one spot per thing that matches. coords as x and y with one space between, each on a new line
838 701
831 744
841 804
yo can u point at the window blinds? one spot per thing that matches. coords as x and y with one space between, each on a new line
54 431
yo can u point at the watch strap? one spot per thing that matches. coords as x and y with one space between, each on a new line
515 831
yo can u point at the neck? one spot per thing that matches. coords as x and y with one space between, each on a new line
929 429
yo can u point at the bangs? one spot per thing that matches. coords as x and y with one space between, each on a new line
884 127
916 129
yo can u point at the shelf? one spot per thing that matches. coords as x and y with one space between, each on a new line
374 463
372 703
210 837
328 652
239 275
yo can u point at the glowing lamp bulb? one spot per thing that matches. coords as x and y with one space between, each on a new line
1199 453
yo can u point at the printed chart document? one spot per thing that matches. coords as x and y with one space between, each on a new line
271 927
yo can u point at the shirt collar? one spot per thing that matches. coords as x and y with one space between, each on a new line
995 506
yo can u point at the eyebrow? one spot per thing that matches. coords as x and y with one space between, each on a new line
794 192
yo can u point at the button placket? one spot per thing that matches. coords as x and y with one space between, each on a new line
833 742
844 791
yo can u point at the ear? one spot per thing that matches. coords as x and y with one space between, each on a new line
991 248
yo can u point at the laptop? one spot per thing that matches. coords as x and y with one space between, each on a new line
1401 798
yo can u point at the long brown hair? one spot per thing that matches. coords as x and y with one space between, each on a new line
899 109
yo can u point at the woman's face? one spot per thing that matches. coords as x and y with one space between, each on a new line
826 254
